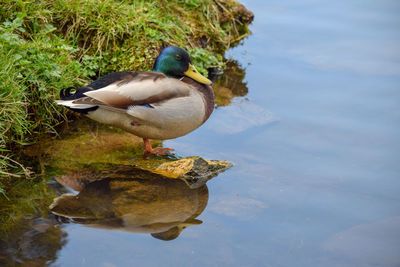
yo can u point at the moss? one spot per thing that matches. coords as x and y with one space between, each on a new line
48 45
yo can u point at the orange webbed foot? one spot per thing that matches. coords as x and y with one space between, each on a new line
158 151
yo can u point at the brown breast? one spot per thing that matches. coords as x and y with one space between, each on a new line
208 95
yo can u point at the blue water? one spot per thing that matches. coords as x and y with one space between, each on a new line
315 146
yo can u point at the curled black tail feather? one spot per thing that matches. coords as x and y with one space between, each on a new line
71 93
66 93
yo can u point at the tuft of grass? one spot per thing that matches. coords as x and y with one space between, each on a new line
31 73
46 45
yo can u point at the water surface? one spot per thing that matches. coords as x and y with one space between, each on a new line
315 145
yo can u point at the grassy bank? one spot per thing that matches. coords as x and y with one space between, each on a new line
48 45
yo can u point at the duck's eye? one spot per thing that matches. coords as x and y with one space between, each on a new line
178 57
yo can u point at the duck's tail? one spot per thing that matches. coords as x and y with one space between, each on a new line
70 94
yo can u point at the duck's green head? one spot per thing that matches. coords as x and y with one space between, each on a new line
175 62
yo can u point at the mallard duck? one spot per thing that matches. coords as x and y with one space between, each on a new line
168 102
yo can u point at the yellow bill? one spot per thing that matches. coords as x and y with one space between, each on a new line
195 75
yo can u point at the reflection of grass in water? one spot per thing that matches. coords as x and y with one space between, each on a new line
25 197
87 142
230 84
27 233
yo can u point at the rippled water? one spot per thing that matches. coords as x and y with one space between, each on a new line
315 146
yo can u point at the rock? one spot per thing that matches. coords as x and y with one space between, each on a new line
195 170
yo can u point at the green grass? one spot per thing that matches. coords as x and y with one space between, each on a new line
46 45
31 73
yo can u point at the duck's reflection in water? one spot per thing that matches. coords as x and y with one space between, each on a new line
156 205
